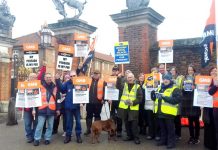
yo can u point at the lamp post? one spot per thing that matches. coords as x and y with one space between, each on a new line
45 38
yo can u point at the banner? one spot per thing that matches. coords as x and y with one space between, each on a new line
201 95
29 94
165 54
65 57
121 53
111 92
208 42
81 90
31 55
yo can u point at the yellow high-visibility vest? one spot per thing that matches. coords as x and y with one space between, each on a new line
167 108
129 96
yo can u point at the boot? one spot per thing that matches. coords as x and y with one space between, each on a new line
79 139
67 139
88 125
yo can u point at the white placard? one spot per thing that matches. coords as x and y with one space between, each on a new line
31 60
111 94
33 98
20 99
64 63
202 99
81 50
81 94
166 56
148 93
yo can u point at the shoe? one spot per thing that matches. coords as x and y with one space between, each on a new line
149 137
29 140
160 143
36 143
47 142
87 133
196 141
157 138
128 138
170 146
67 139
191 140
119 134
78 139
137 141
64 134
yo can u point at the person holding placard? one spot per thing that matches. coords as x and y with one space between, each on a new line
188 109
210 115
71 110
115 104
129 107
151 124
30 119
166 98
47 111
177 81
96 100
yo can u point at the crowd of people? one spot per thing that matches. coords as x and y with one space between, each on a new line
159 118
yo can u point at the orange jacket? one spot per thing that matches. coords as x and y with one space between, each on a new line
100 88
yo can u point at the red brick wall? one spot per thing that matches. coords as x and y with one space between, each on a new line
140 38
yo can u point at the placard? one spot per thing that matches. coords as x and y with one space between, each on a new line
81 49
188 85
165 55
81 90
121 50
20 99
111 93
31 55
65 57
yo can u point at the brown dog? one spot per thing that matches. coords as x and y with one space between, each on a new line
107 125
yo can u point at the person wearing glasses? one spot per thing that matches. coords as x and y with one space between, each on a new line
71 110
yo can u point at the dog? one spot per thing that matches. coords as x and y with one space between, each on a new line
107 125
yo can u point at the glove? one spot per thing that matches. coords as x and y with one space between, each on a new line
159 96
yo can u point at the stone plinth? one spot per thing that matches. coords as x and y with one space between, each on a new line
64 32
139 28
5 72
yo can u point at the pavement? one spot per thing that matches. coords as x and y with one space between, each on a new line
13 138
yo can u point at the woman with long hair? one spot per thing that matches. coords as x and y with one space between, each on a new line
188 109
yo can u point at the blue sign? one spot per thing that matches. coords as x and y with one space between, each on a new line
121 50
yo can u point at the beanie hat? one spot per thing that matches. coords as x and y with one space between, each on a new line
167 76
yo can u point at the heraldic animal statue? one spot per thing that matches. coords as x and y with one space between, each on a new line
59 4
6 19
137 4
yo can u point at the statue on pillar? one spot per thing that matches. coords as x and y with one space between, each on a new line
137 4
72 4
6 19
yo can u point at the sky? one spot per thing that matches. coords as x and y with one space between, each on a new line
183 18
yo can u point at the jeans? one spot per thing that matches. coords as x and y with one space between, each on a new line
39 127
70 115
29 124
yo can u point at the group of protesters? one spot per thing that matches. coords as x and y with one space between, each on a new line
159 118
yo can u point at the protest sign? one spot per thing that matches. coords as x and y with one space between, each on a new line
81 90
111 92
65 57
201 95
31 55
81 44
121 50
20 96
152 81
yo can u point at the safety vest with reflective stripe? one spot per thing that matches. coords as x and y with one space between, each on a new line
100 88
129 96
51 104
179 81
215 100
166 108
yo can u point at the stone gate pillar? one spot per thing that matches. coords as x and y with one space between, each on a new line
139 28
64 32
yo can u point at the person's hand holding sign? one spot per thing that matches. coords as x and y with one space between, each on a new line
57 76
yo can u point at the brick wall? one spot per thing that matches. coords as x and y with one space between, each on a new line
5 80
140 38
186 51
